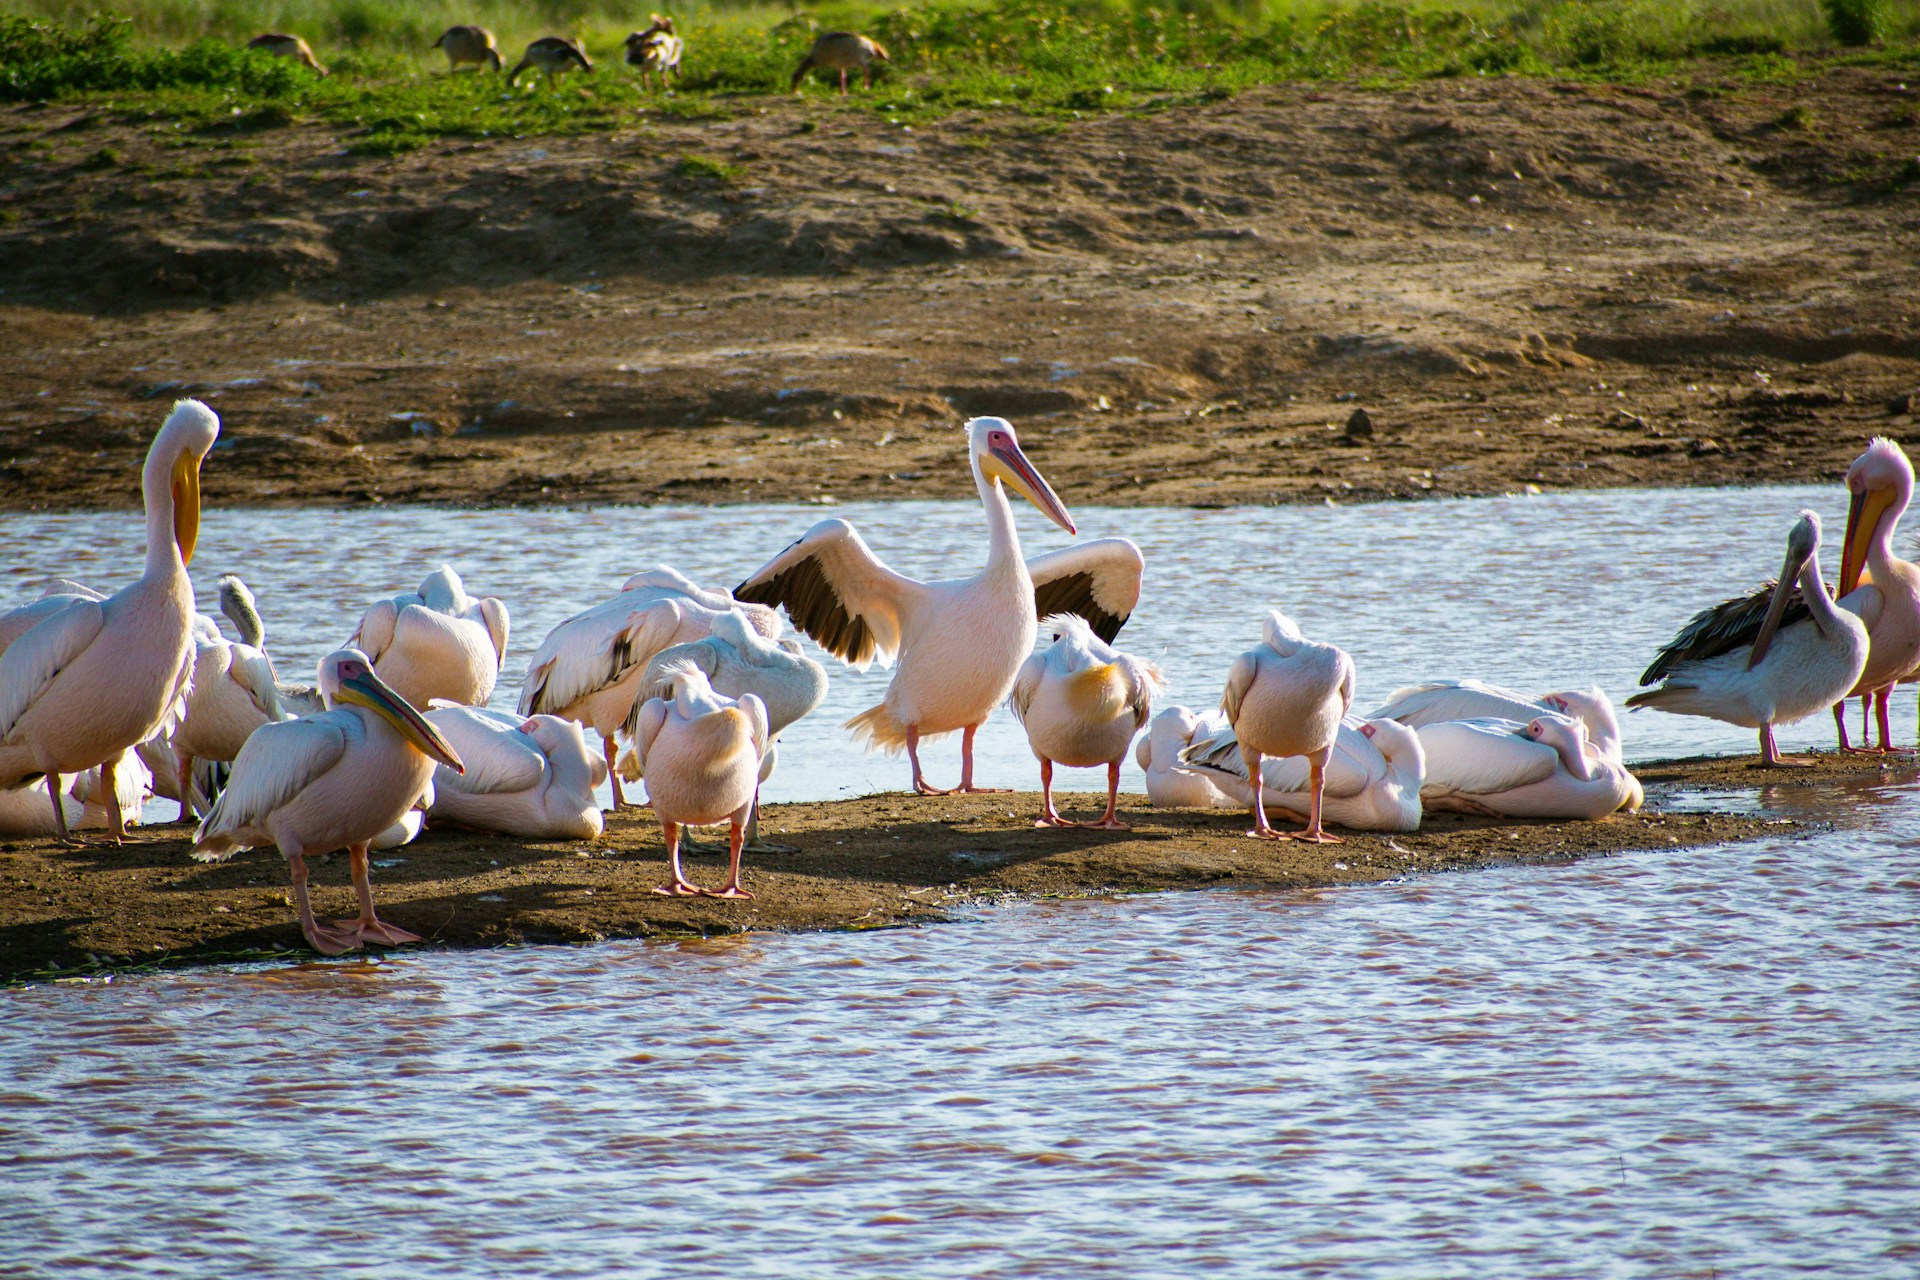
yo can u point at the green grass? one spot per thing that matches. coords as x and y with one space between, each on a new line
183 59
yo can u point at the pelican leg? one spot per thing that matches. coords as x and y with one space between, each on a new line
327 941
1049 816
369 927
1770 753
966 787
736 840
920 784
1110 821
183 778
1840 726
1881 697
754 843
1866 746
681 886
60 831
116 822
1314 833
613 773
1262 830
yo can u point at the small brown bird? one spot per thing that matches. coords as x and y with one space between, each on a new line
842 51
655 49
469 46
552 55
281 45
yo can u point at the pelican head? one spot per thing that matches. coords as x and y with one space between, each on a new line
1281 633
1879 480
1802 544
996 456
1568 737
173 465
347 676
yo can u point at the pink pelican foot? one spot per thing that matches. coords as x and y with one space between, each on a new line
1314 833
1110 820
322 938
368 927
1770 757
966 786
1049 816
736 841
1262 829
681 887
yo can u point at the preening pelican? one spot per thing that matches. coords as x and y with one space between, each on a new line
243 611
589 667
1774 656
530 776
1169 786
1287 697
701 756
1373 776
1878 585
1540 768
328 781
1418 705
1081 702
959 642
437 642
93 677
233 694
738 660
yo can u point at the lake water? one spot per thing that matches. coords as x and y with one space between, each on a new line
1670 1064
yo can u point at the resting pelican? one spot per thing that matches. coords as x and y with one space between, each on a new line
737 660
589 667
1168 785
1540 768
1287 697
325 781
93 677
530 776
83 801
1774 656
1081 702
437 642
959 642
701 755
1888 600
1418 705
1373 776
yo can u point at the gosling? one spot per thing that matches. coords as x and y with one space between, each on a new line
1081 702
656 49
842 51
469 46
551 55
293 48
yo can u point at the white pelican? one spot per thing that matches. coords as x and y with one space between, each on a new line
1774 656
530 776
736 660
93 677
589 667
701 756
959 642
437 642
327 781
243 611
1422 704
1541 768
1287 697
1373 776
1168 785
233 694
1081 702
1878 585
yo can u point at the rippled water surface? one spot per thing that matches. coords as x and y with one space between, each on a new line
1684 1064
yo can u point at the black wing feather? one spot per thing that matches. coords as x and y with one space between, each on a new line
1731 624
1074 594
803 591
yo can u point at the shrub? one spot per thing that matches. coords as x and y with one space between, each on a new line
1856 22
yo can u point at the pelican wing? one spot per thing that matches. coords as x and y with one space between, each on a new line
253 671
1864 602
31 662
1099 580
374 635
593 650
1483 757
277 763
1026 683
498 757
646 724
1436 700
756 712
1729 625
1239 679
837 591
493 613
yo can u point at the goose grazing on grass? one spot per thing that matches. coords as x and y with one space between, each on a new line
1879 586
1540 768
1081 702
1287 697
655 51
589 667
1435 701
281 45
92 678
437 642
1169 784
959 642
1373 775
527 776
1774 656
701 754
551 56
330 781
841 51
469 46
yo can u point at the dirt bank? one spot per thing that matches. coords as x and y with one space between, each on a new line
865 863
1522 282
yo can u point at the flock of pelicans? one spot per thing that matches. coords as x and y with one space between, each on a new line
105 699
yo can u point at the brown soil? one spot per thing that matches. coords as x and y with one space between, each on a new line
868 863
1522 282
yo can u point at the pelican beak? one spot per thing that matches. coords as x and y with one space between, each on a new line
375 694
1863 518
1789 574
1011 467
186 504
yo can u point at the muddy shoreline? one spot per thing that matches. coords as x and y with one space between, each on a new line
873 862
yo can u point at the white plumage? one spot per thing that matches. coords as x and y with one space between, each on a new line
524 776
1539 768
436 642
1081 702
1373 775
1169 784
1878 586
1439 700
701 755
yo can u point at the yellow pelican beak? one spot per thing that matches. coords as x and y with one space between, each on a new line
1863 518
1007 464
186 504
1789 574
379 697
